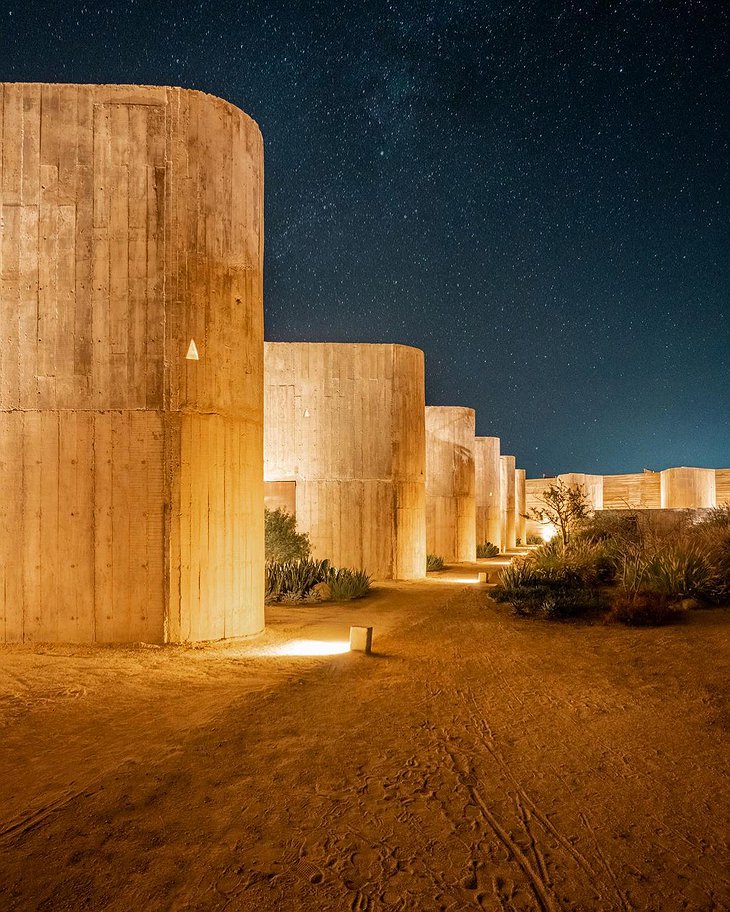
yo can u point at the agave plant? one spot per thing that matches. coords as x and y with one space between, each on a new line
294 580
346 584
434 562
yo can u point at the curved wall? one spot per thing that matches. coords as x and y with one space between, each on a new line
345 423
520 505
131 487
687 488
450 483
487 475
507 503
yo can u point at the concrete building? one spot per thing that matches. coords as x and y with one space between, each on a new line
520 505
507 502
344 450
687 488
131 484
450 483
487 491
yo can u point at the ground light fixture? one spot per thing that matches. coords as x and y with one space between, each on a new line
361 639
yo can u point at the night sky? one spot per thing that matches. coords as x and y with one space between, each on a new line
535 193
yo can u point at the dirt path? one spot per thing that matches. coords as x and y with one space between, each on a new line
477 762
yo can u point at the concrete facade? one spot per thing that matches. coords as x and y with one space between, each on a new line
345 427
487 487
687 488
520 505
131 489
450 483
591 485
507 502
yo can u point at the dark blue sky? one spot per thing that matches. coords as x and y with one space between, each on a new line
535 193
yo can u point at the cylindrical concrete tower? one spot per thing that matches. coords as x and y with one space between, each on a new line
131 397
486 462
520 506
688 488
450 483
507 502
344 430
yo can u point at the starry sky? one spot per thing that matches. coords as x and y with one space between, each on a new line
533 192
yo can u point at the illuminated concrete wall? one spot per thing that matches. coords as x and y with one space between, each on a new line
520 505
507 502
686 488
638 491
450 483
722 486
487 475
131 490
345 423
591 485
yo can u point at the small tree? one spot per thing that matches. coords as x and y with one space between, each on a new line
564 506
283 542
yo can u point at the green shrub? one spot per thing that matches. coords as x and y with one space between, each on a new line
590 562
535 590
487 549
346 584
282 541
645 609
434 562
673 568
534 540
294 580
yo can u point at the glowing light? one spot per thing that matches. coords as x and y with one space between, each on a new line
313 648
548 532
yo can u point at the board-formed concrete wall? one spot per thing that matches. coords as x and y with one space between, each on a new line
450 483
487 475
591 485
640 491
131 489
345 422
686 488
507 502
722 486
521 505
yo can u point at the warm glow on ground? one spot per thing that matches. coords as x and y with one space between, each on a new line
313 648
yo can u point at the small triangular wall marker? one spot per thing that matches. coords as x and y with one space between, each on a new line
192 354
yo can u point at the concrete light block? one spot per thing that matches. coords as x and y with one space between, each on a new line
687 488
450 483
361 639
345 424
507 502
487 490
131 492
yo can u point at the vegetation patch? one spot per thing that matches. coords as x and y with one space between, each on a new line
487 549
434 562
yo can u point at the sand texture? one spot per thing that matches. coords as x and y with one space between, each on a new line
476 761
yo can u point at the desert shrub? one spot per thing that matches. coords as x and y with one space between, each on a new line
346 584
434 562
715 519
534 540
674 568
590 562
282 541
608 525
644 609
294 580
539 590
487 549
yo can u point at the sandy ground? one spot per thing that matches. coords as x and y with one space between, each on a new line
477 761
